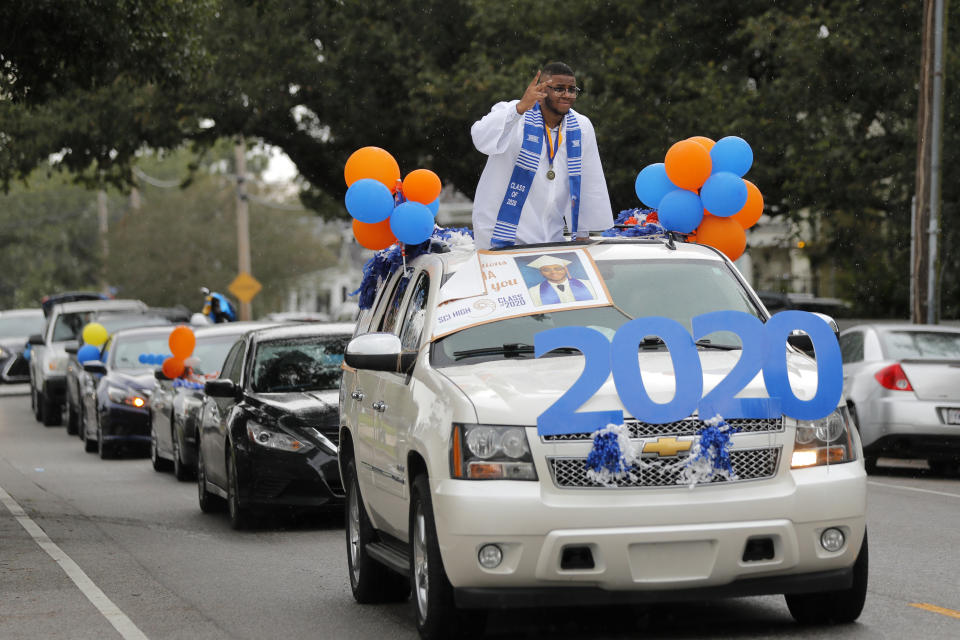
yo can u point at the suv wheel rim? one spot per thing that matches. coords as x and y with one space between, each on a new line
354 529
421 566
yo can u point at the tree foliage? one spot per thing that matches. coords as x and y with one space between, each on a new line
825 91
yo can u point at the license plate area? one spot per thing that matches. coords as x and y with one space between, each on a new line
951 416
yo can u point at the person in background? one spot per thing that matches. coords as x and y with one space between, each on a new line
217 307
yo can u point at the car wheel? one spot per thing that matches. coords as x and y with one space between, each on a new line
159 464
180 471
208 502
88 445
370 581
834 607
35 403
239 514
50 412
437 615
105 449
72 420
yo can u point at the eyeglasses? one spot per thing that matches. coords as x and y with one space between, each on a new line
573 91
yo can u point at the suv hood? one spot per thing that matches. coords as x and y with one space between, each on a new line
516 391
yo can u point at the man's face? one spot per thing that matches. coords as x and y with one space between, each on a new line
562 101
554 272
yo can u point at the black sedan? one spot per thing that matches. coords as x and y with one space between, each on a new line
117 395
268 433
175 404
16 325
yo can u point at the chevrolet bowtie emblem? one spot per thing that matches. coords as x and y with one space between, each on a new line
665 447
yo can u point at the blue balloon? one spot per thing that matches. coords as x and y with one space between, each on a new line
652 184
369 201
723 194
434 207
411 222
680 211
731 154
88 352
143 358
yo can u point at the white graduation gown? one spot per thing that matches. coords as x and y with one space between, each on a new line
499 134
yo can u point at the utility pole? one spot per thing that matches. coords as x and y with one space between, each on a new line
104 243
924 300
243 221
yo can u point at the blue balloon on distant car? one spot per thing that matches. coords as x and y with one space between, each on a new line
87 353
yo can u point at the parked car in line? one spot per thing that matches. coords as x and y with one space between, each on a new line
175 404
466 486
902 383
116 397
16 326
48 302
268 432
111 321
48 356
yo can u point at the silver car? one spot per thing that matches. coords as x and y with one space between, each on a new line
902 383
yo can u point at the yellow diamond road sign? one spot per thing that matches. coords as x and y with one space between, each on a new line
245 287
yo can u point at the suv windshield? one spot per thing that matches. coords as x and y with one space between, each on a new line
301 364
676 289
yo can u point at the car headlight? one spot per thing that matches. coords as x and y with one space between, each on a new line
4 353
489 452
128 397
57 364
274 439
824 441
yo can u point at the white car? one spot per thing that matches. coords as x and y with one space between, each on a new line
48 356
456 493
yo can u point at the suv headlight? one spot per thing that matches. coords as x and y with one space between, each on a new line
129 397
57 363
488 452
824 441
274 439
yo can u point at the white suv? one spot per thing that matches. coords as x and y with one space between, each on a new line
470 395
48 356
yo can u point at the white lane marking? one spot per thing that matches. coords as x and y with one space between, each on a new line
897 486
94 594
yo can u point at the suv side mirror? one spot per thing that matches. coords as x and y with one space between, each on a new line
95 366
378 352
221 388
72 347
35 339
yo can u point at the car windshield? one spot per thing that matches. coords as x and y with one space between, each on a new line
125 352
676 289
115 322
21 326
210 353
300 364
933 345
69 325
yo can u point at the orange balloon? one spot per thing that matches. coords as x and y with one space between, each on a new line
182 341
375 163
422 185
374 236
724 234
688 164
752 210
173 367
703 140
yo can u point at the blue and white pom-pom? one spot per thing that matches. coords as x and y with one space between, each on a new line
613 455
710 455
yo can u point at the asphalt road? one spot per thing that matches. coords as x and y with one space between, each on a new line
158 568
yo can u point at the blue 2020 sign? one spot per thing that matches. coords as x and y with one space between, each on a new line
763 349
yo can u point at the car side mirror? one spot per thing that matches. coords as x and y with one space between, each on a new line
378 352
95 367
35 339
72 347
221 388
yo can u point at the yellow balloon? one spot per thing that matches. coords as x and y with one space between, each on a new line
95 334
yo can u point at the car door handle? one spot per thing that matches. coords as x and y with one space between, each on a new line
357 395
380 406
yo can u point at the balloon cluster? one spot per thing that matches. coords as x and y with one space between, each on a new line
152 358
181 342
699 190
94 335
386 209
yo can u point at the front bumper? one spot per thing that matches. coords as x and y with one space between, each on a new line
281 478
651 544
120 423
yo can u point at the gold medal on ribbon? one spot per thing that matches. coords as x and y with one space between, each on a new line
551 175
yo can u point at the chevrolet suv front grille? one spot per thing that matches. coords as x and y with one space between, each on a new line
748 464
685 427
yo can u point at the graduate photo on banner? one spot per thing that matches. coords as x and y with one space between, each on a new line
519 284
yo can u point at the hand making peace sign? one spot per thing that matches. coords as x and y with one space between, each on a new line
536 90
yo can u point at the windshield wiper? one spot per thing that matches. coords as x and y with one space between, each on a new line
655 342
707 344
509 350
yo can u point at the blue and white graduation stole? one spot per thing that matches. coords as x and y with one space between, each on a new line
524 169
